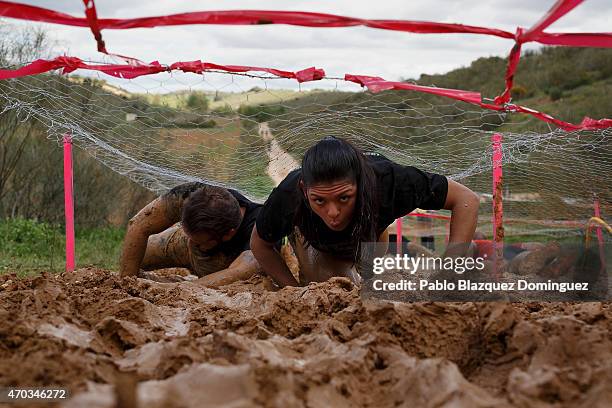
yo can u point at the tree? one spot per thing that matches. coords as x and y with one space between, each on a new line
16 47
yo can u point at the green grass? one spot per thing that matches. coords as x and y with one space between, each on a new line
28 247
254 97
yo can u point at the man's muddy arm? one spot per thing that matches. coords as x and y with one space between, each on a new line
271 261
242 268
152 219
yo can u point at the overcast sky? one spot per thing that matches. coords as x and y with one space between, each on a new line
358 50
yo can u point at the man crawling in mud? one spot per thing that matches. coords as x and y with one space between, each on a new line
203 228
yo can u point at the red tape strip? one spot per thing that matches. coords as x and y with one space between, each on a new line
33 13
377 84
69 64
238 17
305 75
92 19
306 19
600 40
513 60
558 10
374 84
535 33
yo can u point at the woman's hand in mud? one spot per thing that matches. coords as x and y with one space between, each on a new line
271 261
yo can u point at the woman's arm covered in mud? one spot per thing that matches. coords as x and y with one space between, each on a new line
463 204
152 219
243 267
271 261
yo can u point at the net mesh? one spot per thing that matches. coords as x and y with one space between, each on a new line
248 132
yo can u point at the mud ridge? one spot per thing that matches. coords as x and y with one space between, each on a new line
320 345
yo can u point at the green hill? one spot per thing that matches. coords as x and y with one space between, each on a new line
568 83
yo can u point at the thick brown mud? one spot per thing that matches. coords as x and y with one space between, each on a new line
182 345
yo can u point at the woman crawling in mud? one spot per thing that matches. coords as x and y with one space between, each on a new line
341 199
203 228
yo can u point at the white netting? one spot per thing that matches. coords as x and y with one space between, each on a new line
247 133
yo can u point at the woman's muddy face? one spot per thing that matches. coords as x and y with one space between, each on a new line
333 202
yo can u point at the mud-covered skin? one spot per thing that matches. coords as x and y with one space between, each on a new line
167 249
152 219
172 248
155 239
241 268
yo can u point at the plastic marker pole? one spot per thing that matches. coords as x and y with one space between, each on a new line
498 211
69 202
597 213
447 232
399 236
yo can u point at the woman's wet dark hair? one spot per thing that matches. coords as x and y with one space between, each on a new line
333 159
211 209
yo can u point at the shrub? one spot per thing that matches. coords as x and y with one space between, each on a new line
554 93
198 102
226 109
519 92
261 113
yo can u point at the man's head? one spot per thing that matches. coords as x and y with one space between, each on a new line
210 216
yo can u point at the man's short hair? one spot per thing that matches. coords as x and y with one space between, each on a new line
211 209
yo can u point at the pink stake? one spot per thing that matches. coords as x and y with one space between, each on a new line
597 213
436 216
398 233
69 202
498 211
447 232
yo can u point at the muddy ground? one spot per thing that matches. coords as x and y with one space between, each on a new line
182 345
